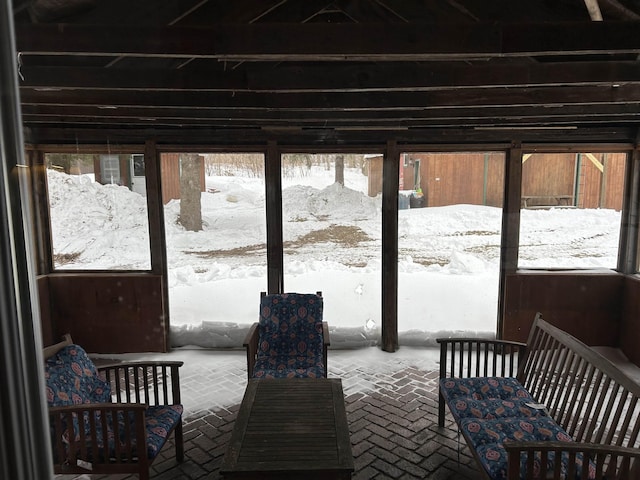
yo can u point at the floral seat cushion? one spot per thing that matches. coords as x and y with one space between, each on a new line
290 342
488 397
487 438
494 408
286 366
483 388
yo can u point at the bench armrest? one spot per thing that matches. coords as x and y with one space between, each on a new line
476 357
150 382
608 461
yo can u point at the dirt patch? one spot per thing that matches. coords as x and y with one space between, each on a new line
65 258
343 235
478 233
258 249
346 235
420 259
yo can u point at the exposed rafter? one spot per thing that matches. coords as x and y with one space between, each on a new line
320 42
594 10
332 71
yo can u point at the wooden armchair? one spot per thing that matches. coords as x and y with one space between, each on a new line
302 352
113 419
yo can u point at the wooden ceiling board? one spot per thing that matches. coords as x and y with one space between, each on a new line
329 71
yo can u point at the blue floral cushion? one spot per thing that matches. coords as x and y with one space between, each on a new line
488 436
483 388
290 338
493 408
160 422
72 378
482 432
285 366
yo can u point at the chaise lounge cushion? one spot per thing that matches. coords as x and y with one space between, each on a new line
286 366
290 342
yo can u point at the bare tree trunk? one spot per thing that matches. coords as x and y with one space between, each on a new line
340 170
190 205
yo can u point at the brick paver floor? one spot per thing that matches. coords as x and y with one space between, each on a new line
391 402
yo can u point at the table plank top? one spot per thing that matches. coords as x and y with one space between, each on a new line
290 425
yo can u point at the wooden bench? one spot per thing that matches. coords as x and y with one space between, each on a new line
581 408
547 201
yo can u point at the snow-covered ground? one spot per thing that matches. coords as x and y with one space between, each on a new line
448 256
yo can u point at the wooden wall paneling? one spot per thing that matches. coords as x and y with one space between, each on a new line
110 313
590 180
587 305
548 174
495 179
374 176
630 326
460 177
169 166
48 329
125 169
390 179
613 188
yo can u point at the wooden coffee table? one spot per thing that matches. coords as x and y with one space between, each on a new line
290 428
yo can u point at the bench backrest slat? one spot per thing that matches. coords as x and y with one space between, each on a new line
591 398
558 405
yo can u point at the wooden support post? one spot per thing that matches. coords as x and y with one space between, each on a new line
390 182
41 216
273 201
155 211
157 237
628 247
510 237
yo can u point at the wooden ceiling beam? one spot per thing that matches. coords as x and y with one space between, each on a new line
522 120
61 113
333 42
467 97
338 78
217 137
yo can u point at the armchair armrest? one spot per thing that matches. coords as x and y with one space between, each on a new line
81 435
326 341
608 461
251 345
150 382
